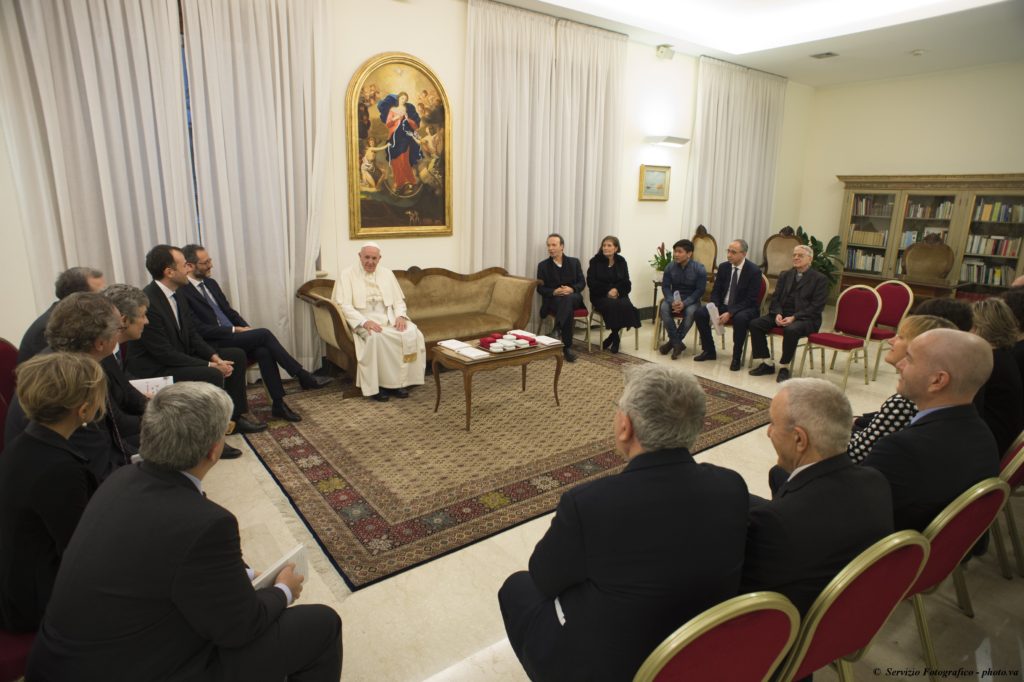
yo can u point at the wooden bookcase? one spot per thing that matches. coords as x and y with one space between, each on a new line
981 217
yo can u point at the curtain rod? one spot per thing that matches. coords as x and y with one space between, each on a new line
741 66
572 21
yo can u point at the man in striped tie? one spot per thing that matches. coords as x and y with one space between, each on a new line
735 293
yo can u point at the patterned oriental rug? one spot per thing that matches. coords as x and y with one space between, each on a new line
385 487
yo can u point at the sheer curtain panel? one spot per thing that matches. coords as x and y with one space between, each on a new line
731 178
92 105
258 76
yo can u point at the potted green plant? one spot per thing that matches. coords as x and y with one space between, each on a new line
661 259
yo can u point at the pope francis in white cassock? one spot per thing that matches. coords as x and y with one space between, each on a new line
389 348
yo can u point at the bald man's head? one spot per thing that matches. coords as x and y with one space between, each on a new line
944 367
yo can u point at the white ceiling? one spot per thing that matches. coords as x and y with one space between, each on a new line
988 34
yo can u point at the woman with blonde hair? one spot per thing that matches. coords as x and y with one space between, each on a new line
897 411
1000 401
44 483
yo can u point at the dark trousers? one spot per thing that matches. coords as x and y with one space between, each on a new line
562 308
759 328
740 321
534 632
302 645
263 347
234 384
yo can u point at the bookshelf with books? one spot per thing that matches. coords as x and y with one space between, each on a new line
980 217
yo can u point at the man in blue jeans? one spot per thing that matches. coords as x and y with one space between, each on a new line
688 278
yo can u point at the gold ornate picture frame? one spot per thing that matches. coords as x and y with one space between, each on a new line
654 183
399 144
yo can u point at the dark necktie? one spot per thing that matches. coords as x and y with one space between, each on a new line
115 434
177 310
732 286
222 319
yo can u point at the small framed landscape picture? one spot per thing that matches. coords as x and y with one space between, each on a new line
654 183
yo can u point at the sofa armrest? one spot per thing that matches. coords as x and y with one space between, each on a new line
330 323
512 299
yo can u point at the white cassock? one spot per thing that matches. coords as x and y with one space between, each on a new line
389 358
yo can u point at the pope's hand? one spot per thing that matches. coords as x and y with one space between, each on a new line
372 326
400 324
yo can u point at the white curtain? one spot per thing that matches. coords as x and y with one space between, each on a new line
92 105
543 135
258 72
730 182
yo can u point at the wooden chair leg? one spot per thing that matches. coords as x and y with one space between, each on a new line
866 363
997 537
803 359
846 374
822 348
963 597
1011 525
845 670
923 633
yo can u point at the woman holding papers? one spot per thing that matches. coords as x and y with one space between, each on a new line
44 483
608 279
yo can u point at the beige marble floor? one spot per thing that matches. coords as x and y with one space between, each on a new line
441 621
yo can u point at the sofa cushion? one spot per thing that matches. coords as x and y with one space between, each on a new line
439 295
460 326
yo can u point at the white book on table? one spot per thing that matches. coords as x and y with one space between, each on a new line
453 344
548 341
473 353
522 332
297 556
149 387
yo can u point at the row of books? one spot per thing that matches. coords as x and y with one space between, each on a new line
997 211
980 272
911 236
981 245
866 205
858 259
867 238
940 211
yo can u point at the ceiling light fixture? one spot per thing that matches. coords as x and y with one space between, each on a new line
666 140
824 55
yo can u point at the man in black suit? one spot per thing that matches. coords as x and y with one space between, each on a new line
170 344
561 289
131 304
629 558
220 325
68 282
737 286
84 322
825 510
799 298
947 447
153 586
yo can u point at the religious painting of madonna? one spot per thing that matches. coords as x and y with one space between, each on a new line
399 137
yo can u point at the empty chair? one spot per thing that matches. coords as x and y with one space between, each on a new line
856 312
1011 470
897 300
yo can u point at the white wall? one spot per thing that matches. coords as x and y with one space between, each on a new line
954 122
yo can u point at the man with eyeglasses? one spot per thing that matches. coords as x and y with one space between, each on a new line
221 325
737 286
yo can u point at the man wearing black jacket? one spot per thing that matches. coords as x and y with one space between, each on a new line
735 293
561 289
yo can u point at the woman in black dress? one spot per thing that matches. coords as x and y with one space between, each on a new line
1001 400
608 280
44 483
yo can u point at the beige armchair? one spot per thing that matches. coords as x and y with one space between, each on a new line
778 256
705 252
928 260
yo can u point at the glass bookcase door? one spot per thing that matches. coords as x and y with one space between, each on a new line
868 237
992 252
925 216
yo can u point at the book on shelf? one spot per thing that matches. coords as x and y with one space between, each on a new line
999 212
942 210
983 245
909 237
858 259
868 238
974 271
867 205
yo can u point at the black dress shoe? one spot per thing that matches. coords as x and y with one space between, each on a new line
762 370
665 348
399 392
243 425
735 366
381 397
282 411
615 345
705 356
677 350
569 355
230 452
310 382
783 374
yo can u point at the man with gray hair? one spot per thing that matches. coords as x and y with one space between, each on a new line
825 510
630 557
947 447
390 350
68 282
153 586
796 307
131 304
735 293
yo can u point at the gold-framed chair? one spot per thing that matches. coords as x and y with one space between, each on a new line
951 535
853 607
857 311
897 300
929 259
777 256
705 252
762 624
595 316
1011 470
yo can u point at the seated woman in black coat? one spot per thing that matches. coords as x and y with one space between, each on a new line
44 483
1001 400
608 280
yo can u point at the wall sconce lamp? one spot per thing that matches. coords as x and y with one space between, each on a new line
666 140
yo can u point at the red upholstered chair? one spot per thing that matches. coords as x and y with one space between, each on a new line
579 315
856 313
842 621
952 534
595 316
1011 470
762 625
8 360
14 649
897 299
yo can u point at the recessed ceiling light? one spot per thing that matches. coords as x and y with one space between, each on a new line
917 53
824 55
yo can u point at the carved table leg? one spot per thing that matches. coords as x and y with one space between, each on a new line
437 383
558 371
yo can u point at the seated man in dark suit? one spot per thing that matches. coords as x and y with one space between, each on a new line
68 282
825 510
629 558
152 585
737 285
84 323
131 304
561 289
171 346
800 296
947 447
220 325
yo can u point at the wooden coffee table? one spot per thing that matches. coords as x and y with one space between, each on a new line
469 367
